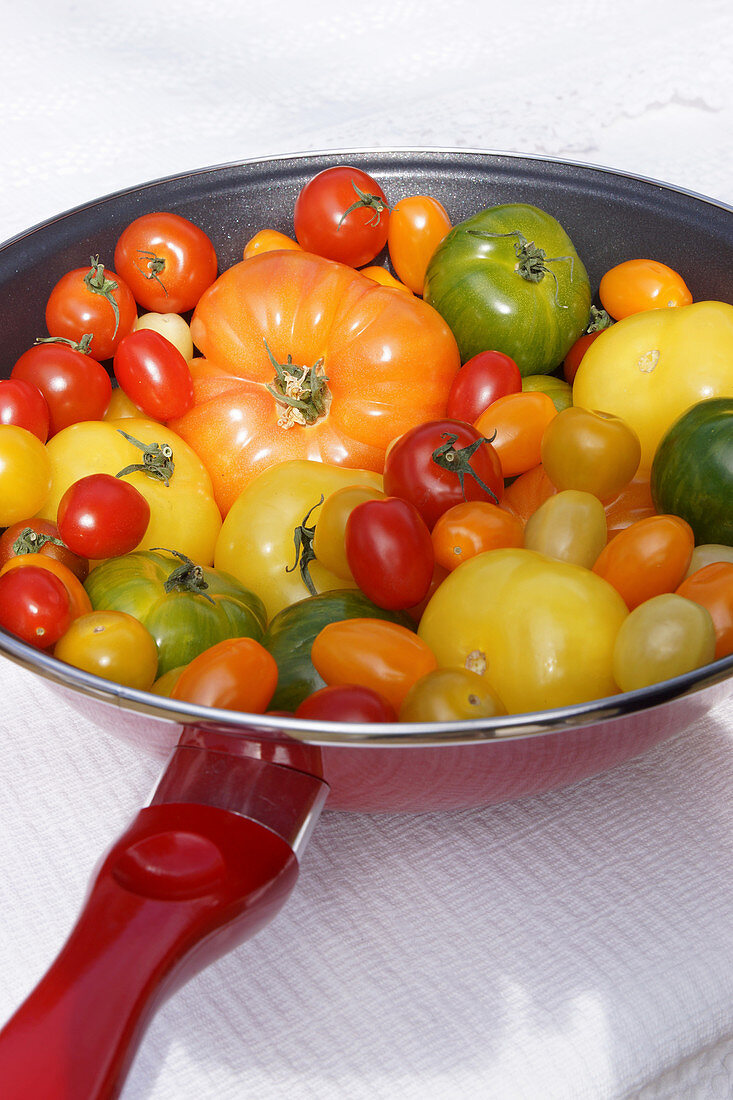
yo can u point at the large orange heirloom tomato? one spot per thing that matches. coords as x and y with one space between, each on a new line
306 358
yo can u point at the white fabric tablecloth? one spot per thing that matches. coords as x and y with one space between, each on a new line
576 945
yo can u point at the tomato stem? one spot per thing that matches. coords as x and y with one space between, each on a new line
458 461
304 536
157 460
532 260
303 390
98 283
370 202
152 267
82 345
186 577
30 541
599 320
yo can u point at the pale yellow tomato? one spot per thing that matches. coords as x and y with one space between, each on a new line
541 631
183 513
257 543
650 367
171 325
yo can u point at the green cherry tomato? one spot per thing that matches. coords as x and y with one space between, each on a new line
509 279
569 526
661 638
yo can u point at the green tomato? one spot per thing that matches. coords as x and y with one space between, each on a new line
663 637
197 611
509 279
291 633
692 470
560 391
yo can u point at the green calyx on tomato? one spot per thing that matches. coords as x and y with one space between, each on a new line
186 577
304 537
97 282
30 541
458 462
373 203
599 320
82 345
157 460
303 390
182 621
487 280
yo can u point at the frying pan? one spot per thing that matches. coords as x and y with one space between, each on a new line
215 854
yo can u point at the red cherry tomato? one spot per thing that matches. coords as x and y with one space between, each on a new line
91 300
166 260
441 463
34 605
483 379
75 386
40 536
154 374
342 214
389 551
347 703
23 404
574 357
101 516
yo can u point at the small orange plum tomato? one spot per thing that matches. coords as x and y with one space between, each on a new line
269 240
638 285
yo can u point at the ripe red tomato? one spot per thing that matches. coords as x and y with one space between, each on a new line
154 374
347 703
166 260
389 552
75 386
23 404
342 214
574 357
483 379
91 300
101 516
441 463
34 605
40 536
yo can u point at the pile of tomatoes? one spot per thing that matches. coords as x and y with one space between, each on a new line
441 486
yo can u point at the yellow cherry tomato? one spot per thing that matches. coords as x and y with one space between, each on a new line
593 452
650 367
328 541
183 513
25 474
113 645
541 631
449 695
171 325
257 543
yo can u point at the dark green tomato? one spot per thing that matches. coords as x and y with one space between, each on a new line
692 470
290 635
509 279
183 621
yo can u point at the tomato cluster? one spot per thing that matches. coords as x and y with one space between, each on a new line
347 479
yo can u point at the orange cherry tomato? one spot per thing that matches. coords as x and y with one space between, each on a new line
638 285
519 421
472 527
383 656
527 492
236 674
647 558
712 587
417 225
80 602
269 240
384 278
632 503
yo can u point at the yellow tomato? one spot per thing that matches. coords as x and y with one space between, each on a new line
650 367
183 514
269 240
257 543
25 474
541 631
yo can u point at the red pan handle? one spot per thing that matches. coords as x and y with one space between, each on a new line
184 884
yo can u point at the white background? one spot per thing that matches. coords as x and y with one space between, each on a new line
575 945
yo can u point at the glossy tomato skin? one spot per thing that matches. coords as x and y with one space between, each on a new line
516 424
75 386
235 673
23 404
412 473
154 374
593 452
25 474
290 635
75 309
482 380
325 223
34 605
166 260
692 471
388 357
183 621
417 225
113 645
712 588
390 552
101 516
637 285
474 280
346 703
35 535
648 558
